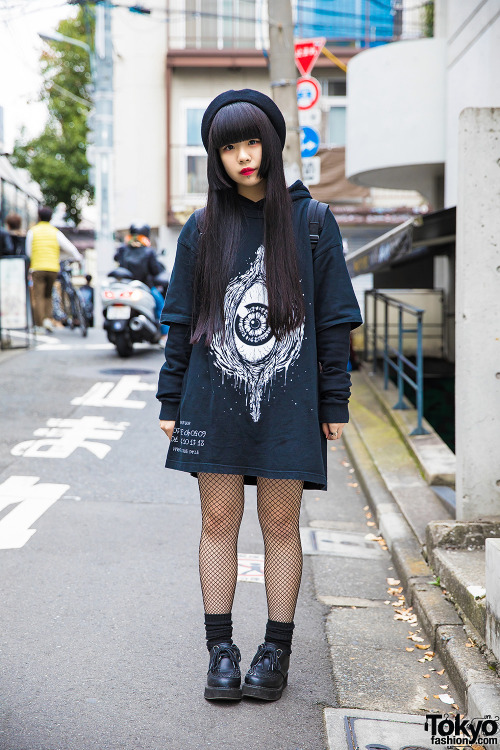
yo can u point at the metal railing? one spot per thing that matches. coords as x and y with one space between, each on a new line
390 353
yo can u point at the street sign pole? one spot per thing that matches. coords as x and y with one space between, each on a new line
283 82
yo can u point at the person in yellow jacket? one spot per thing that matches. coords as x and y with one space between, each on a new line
44 243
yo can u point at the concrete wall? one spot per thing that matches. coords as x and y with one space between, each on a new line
472 65
140 46
395 116
477 402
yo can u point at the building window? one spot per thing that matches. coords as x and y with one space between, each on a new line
335 132
222 24
192 166
333 86
196 174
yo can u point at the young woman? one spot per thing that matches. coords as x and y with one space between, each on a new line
255 377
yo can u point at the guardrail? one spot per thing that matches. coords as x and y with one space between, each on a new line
390 353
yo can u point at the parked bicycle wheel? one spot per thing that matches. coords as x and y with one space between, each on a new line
79 317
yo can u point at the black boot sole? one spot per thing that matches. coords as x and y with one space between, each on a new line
220 693
263 693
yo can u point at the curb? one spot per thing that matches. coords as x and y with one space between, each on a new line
477 685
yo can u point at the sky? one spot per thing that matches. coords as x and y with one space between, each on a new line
20 47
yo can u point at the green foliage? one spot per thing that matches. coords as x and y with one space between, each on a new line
428 14
56 159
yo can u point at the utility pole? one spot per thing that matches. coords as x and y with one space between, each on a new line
103 136
283 75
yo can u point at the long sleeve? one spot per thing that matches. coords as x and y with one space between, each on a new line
334 380
67 248
177 355
29 240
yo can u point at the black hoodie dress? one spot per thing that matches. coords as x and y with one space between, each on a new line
249 404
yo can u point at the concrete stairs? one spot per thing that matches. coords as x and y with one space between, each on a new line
440 562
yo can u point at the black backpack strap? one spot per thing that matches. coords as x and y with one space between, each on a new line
198 215
316 213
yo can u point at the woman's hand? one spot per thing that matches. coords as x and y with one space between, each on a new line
167 426
332 430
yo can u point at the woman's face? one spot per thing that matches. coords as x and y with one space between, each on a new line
241 162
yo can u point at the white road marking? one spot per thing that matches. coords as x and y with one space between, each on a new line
251 568
115 394
31 502
64 436
71 347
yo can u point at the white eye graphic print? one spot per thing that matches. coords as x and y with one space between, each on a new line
250 353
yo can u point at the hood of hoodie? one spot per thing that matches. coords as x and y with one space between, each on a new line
298 191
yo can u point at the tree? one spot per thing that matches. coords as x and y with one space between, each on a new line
57 158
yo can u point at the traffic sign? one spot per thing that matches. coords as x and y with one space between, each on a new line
310 118
307 52
308 91
309 142
311 170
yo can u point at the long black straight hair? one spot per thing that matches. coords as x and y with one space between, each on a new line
222 224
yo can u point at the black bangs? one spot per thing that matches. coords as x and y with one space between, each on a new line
237 122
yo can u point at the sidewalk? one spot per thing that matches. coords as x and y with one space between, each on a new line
396 472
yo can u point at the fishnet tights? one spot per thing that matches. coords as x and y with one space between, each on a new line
278 508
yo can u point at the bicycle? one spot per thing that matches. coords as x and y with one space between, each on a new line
72 304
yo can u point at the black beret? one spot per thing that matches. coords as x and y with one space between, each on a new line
260 100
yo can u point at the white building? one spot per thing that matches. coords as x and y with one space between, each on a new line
404 100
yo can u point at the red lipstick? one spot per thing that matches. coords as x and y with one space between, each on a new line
247 170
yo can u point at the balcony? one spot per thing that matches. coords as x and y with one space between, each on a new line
396 118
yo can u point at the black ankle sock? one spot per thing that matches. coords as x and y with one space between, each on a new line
280 633
219 629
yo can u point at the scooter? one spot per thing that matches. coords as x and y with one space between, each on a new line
129 312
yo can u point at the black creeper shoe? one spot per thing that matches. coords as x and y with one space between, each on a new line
224 676
268 673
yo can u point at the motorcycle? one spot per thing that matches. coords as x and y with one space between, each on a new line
129 311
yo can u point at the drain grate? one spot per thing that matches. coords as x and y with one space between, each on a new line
355 729
339 543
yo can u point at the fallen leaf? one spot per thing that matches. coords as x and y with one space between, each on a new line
365 507
393 581
470 645
410 649
441 671
387 602
351 471
415 638
368 515
352 484
426 675
345 463
444 687
455 706
422 660
429 653
426 698
333 448
371 537
371 523
423 647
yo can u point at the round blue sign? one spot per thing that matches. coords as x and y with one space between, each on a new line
309 141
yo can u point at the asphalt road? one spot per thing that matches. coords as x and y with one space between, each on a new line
102 638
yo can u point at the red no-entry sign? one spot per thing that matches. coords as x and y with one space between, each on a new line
308 91
307 52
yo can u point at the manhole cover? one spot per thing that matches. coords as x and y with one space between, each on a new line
127 371
341 544
354 729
